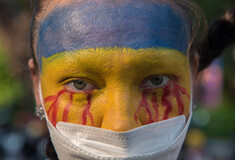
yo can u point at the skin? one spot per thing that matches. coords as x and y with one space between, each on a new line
119 94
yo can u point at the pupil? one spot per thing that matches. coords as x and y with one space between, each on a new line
157 80
80 84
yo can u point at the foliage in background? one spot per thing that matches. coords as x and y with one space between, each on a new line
10 88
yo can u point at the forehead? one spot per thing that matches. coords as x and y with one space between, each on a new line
131 24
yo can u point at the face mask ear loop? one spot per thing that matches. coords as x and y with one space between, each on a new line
39 111
192 105
49 124
42 101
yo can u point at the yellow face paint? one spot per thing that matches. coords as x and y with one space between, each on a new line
116 88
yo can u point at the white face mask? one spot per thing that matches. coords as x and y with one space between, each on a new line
160 140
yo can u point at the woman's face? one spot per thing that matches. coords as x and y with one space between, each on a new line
114 65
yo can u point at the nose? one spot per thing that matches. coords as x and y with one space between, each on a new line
119 110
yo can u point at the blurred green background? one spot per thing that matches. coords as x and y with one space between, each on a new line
22 135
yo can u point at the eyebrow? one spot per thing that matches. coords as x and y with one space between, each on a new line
90 24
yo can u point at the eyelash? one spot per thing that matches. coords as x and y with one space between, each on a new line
147 84
166 79
70 85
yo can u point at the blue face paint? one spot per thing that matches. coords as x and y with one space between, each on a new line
132 24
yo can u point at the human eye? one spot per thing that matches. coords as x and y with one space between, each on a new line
155 82
79 85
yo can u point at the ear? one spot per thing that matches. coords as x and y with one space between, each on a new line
35 78
195 61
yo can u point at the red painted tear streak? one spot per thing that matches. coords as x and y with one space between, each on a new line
155 106
50 98
165 102
145 105
135 116
177 90
67 108
86 111
54 106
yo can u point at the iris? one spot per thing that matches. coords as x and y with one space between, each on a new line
157 80
79 84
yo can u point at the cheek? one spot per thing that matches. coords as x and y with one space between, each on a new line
148 109
164 103
175 100
70 107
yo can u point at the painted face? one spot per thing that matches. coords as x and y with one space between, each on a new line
114 65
